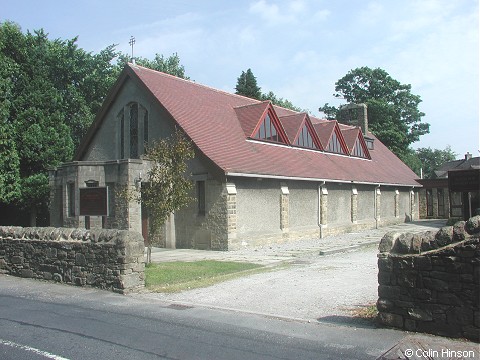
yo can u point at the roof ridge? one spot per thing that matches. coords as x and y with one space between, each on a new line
297 114
193 82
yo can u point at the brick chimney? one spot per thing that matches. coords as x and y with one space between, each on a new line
468 156
354 115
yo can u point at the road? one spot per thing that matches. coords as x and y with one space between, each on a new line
39 320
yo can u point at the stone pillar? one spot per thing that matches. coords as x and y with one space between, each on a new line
412 205
397 203
323 208
354 207
231 210
284 208
435 202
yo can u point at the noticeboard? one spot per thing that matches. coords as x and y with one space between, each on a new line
94 201
464 180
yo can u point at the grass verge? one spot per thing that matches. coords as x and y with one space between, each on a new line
366 312
177 276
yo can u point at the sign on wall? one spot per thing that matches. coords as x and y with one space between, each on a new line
94 201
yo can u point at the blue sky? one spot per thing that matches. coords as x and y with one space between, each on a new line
296 48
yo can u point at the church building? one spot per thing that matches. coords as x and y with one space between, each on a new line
262 173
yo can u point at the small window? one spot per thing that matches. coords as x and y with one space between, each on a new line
429 202
268 131
121 120
134 131
358 150
305 138
145 129
201 197
441 203
71 199
334 144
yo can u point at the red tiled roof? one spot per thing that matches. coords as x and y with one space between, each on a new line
351 135
219 124
324 131
249 115
291 124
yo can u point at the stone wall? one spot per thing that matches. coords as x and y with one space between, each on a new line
107 259
430 282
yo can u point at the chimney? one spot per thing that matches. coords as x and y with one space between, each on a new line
354 115
468 156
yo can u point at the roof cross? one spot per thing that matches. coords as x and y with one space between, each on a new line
131 43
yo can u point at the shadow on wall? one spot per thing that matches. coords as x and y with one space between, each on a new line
430 282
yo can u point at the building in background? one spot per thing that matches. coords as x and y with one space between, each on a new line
262 173
454 192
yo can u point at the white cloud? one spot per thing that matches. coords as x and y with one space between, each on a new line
273 14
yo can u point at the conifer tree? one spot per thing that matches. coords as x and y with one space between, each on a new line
247 85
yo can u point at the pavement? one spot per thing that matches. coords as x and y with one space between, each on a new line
325 281
288 252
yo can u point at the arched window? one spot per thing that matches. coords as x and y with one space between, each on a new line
132 122
134 131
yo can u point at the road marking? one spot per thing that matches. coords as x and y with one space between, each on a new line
31 349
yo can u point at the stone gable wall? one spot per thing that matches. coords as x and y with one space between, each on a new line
107 259
430 282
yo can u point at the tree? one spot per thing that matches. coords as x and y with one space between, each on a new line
247 85
280 102
170 65
393 113
50 91
433 159
168 187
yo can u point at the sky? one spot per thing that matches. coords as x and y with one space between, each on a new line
296 48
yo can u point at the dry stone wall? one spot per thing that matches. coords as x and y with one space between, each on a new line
107 259
430 282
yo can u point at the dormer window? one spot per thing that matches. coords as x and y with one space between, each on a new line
269 129
305 139
334 144
358 150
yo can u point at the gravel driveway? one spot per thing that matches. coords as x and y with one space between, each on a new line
310 288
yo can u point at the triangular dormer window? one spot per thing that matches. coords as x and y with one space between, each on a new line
358 150
334 145
305 138
269 130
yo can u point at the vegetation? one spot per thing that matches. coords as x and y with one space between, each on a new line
247 86
393 111
170 65
433 159
178 276
167 187
50 92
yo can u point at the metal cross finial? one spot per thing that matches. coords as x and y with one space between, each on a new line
132 42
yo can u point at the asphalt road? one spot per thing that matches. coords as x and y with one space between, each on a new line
39 320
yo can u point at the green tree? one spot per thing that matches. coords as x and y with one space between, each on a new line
247 85
280 102
170 65
433 159
168 186
50 91
393 113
